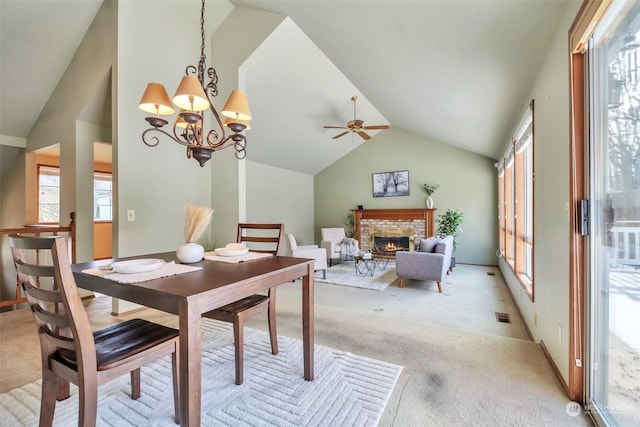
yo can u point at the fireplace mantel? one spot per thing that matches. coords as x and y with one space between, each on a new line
391 217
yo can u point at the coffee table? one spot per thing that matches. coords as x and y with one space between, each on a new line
364 266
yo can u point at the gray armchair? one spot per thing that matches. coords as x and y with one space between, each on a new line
431 262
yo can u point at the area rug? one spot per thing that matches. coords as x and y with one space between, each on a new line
347 390
344 274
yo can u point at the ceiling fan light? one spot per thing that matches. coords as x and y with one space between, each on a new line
190 95
237 106
155 100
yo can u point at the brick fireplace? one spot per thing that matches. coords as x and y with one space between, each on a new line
399 226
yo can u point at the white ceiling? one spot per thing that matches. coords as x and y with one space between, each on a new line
458 71
38 38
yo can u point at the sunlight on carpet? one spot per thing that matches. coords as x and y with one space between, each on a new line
347 390
345 274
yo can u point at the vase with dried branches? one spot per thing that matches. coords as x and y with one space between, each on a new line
196 221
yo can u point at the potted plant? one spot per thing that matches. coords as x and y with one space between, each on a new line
196 220
430 189
449 225
350 223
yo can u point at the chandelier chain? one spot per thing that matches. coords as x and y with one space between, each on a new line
201 63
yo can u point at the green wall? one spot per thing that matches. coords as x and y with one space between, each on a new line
550 309
467 182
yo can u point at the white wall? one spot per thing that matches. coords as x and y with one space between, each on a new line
550 308
156 42
233 42
12 214
276 195
58 123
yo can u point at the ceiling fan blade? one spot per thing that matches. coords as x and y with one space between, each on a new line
364 135
376 127
334 127
340 134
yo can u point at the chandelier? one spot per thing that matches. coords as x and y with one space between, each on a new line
192 98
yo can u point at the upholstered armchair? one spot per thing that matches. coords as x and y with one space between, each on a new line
310 251
431 262
331 239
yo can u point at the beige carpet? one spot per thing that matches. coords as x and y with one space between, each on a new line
348 390
460 366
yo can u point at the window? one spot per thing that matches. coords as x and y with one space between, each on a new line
515 197
49 195
102 196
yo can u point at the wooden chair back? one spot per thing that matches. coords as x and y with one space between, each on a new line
266 238
59 313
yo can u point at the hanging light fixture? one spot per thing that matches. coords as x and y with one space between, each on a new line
193 97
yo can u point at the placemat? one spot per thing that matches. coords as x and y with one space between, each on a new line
249 256
167 269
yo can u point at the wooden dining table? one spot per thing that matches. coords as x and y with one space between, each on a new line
189 295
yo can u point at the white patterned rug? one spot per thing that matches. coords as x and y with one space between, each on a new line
348 390
344 274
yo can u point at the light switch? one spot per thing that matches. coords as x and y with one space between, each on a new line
131 215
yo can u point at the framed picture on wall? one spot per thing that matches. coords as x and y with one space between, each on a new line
390 184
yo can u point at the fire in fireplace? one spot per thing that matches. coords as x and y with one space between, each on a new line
392 240
390 244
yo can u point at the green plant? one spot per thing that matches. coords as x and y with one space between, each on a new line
449 224
350 223
430 188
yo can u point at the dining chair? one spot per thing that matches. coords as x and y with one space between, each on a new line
265 238
70 351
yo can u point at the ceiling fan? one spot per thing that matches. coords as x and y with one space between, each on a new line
356 126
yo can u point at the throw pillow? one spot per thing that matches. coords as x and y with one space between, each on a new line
428 245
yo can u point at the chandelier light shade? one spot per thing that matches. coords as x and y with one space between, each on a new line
237 106
155 100
190 95
193 98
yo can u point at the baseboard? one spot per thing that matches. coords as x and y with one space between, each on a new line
476 264
124 313
565 386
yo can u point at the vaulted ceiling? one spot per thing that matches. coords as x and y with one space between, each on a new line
454 71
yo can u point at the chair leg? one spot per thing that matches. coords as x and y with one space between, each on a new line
439 287
401 284
135 384
271 313
88 404
48 398
238 339
64 389
330 262
176 388
324 273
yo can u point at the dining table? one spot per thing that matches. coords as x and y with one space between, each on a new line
191 294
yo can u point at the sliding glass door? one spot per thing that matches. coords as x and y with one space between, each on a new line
614 259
